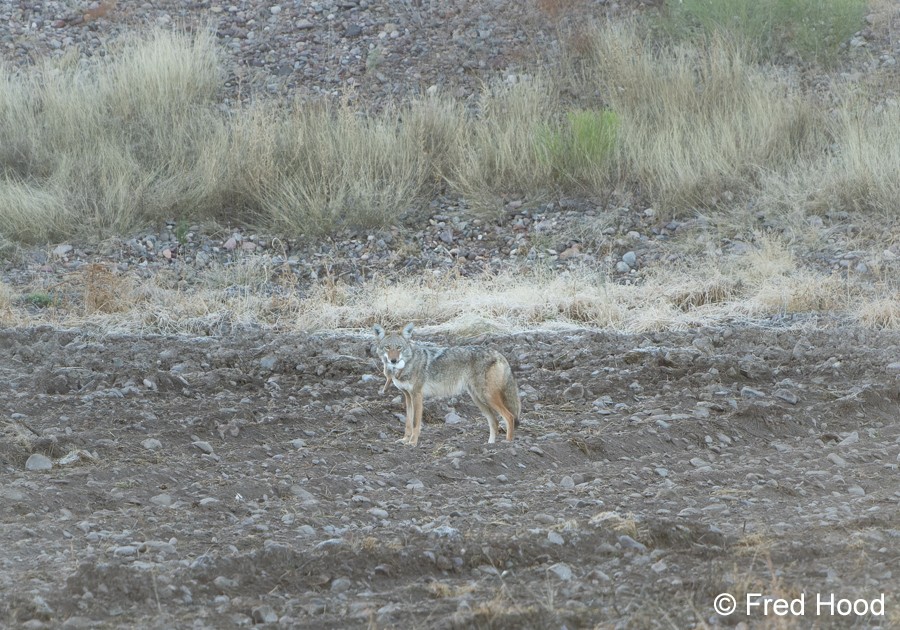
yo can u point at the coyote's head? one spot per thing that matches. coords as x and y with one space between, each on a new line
394 348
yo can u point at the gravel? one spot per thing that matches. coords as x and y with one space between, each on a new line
373 53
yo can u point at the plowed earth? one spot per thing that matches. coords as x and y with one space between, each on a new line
216 482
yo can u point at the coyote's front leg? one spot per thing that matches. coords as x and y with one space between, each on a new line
417 401
408 430
387 381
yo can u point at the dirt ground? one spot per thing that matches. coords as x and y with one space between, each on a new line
256 478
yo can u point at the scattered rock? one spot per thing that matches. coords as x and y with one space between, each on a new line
836 459
340 585
787 396
562 571
452 418
850 440
749 392
555 539
574 392
37 462
630 543
264 614
203 446
164 500
223 583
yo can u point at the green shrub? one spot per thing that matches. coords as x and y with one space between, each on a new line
813 29
580 150
39 300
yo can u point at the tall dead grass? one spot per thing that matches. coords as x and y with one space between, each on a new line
699 125
103 148
316 169
862 175
500 152
104 291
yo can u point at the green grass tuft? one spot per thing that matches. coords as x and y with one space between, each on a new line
581 149
39 300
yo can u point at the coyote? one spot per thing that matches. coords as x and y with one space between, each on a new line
419 371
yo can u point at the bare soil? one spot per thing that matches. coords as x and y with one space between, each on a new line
255 477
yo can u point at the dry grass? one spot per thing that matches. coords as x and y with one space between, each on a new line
317 169
106 148
699 125
32 213
436 124
620 524
504 301
775 283
862 175
6 304
706 287
100 148
879 313
105 291
255 290
755 544
442 590
244 294
501 610
500 155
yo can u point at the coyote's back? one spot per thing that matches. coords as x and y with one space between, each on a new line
419 371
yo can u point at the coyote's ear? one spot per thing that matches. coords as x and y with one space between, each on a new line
379 331
407 330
